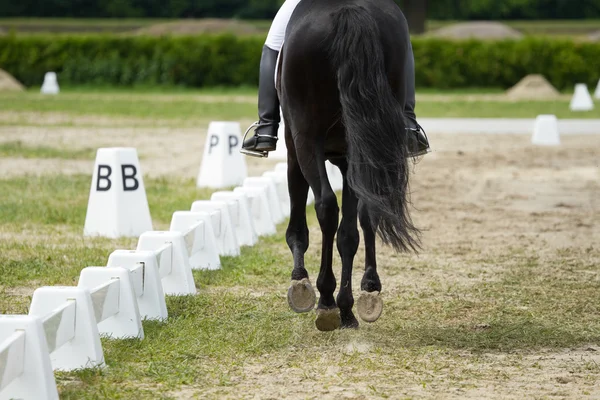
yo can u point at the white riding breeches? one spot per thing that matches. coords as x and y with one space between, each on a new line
277 31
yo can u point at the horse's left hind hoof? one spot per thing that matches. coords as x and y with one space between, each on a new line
369 306
328 320
301 296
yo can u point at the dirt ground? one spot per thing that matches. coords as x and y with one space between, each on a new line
473 195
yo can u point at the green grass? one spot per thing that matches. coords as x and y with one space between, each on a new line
235 105
62 199
238 331
240 319
20 149
143 107
494 109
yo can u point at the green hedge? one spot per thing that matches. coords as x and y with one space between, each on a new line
227 60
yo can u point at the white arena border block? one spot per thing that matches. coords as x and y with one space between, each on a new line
336 179
273 197
117 205
222 163
281 183
582 100
238 204
150 297
70 326
259 209
222 225
50 84
281 150
545 131
204 252
282 167
25 366
114 299
176 272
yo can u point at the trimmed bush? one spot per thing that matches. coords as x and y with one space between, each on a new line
227 60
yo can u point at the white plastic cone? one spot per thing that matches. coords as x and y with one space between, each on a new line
33 378
336 179
582 100
597 93
280 152
117 204
222 163
50 85
545 131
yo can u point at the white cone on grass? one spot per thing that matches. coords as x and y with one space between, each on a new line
545 131
35 378
222 164
50 85
280 152
117 206
582 100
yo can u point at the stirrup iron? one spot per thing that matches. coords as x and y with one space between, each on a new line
253 153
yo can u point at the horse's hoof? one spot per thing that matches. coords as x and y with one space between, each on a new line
328 320
301 296
369 306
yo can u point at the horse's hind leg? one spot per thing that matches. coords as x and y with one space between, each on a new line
301 295
326 207
369 304
347 244
328 314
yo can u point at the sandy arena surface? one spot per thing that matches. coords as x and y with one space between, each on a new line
475 195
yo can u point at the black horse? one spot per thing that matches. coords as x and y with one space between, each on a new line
341 84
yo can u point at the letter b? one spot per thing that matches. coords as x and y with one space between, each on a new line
104 177
129 177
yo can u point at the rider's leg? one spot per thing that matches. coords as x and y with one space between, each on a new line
420 144
265 136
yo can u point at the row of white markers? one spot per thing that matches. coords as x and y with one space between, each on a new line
63 328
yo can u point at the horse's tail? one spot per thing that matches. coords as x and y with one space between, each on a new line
375 127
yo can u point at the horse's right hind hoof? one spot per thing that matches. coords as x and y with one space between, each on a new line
328 320
369 306
301 296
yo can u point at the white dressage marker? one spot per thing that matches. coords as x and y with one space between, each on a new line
70 326
222 225
115 300
205 251
545 131
238 204
50 84
282 167
259 209
274 202
174 265
117 204
150 297
582 100
25 366
280 179
280 152
336 179
222 163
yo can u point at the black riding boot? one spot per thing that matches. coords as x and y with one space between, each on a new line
265 135
418 143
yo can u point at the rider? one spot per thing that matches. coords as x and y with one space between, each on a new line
265 136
